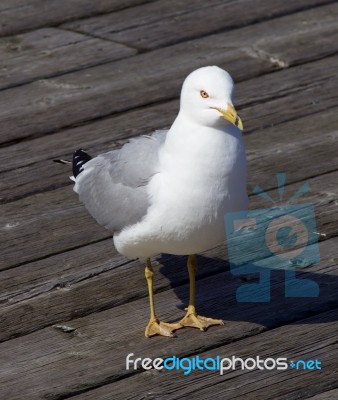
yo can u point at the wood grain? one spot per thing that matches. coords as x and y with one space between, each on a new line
95 277
111 88
94 92
302 86
303 340
17 16
330 394
72 226
322 117
71 307
40 50
156 25
102 340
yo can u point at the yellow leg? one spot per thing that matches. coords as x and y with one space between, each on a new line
191 318
156 327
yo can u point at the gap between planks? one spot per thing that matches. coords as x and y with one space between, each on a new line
95 96
178 21
294 95
99 340
298 345
107 300
39 16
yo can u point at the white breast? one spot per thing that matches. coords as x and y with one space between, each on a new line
203 175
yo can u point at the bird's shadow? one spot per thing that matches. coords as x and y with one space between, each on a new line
268 297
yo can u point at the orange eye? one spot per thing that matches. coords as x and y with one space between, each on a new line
204 94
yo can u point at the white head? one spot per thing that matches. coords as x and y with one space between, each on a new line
206 97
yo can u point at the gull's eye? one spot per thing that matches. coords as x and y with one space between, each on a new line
204 94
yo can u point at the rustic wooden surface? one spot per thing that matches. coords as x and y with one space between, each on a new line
94 74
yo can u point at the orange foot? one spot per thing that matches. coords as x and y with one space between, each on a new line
156 327
193 320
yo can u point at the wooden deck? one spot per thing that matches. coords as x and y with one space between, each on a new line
93 74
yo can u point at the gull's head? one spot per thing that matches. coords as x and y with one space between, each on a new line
206 97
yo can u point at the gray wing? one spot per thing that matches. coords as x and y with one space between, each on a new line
113 186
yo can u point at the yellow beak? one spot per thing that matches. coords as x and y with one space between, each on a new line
230 114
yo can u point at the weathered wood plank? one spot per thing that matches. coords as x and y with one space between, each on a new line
54 294
62 295
56 363
154 76
104 133
294 102
57 288
295 39
319 154
316 154
282 385
17 16
72 226
40 277
330 394
156 24
56 359
294 341
305 79
41 51
42 222
113 87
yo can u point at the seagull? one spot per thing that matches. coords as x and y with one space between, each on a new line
168 192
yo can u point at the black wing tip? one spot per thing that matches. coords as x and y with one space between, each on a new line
80 157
